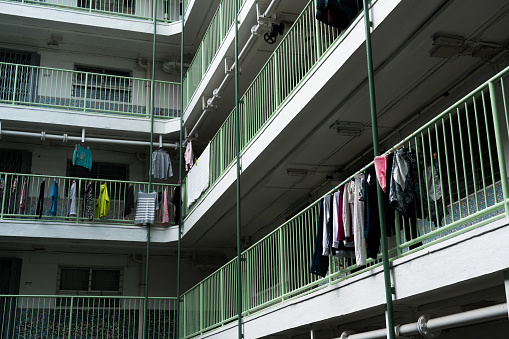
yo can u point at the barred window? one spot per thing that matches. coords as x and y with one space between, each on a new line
90 280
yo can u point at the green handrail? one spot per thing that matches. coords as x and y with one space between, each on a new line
117 189
278 264
71 316
289 65
221 24
87 92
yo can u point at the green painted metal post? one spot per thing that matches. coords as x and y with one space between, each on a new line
381 213
152 108
85 96
237 146
3 196
177 331
70 319
15 84
500 147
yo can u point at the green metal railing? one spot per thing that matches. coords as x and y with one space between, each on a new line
167 10
218 28
59 316
19 199
462 184
298 53
87 92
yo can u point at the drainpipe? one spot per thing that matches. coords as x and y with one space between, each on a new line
177 318
237 147
152 81
263 20
381 212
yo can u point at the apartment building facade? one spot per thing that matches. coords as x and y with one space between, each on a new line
107 75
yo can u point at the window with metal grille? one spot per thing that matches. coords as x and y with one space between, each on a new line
15 161
18 77
102 84
90 280
103 171
116 6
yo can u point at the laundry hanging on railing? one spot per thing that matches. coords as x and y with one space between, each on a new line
164 216
89 202
349 218
40 200
146 205
102 204
161 165
177 203
129 201
189 156
198 177
54 198
82 156
337 13
22 201
71 204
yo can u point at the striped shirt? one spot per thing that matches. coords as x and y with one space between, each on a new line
145 208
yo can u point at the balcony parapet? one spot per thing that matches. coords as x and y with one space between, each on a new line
166 11
86 92
23 199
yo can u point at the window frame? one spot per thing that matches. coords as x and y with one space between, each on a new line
89 290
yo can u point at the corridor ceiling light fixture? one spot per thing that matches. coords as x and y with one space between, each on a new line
297 172
447 45
347 128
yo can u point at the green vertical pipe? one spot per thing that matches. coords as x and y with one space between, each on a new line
237 146
152 84
500 146
381 213
177 331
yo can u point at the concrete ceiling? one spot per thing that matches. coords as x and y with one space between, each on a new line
407 80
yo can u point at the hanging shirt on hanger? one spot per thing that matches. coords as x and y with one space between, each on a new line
54 198
71 206
161 165
320 263
145 208
176 201
189 156
89 202
358 221
381 171
82 157
40 200
22 201
165 218
102 204
326 223
129 201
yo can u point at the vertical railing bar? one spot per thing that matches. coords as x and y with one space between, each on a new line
500 147
455 165
442 192
489 146
467 194
474 177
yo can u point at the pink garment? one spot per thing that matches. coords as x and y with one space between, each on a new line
23 193
381 171
189 156
164 209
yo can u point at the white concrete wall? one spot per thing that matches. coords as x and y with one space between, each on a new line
39 271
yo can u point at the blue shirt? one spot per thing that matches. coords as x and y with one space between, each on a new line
54 198
82 157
